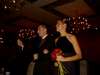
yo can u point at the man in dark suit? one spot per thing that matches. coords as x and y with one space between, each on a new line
44 64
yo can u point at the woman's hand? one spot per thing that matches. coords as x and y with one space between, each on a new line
60 58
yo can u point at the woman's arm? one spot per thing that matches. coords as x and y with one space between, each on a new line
76 47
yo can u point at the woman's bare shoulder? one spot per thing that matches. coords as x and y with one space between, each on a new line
71 36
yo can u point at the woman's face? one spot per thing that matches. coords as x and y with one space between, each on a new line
60 26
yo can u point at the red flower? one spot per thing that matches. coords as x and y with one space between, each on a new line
56 52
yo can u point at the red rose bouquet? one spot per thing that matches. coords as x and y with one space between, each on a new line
55 53
61 69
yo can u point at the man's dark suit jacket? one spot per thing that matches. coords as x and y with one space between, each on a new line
44 63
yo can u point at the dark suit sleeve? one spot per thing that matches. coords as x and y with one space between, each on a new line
48 44
51 44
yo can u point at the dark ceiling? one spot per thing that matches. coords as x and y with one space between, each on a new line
46 11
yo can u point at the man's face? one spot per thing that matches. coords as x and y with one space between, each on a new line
41 31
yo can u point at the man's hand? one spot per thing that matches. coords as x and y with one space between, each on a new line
35 56
45 51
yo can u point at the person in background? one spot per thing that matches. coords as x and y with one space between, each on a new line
25 51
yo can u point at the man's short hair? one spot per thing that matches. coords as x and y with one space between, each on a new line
45 26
